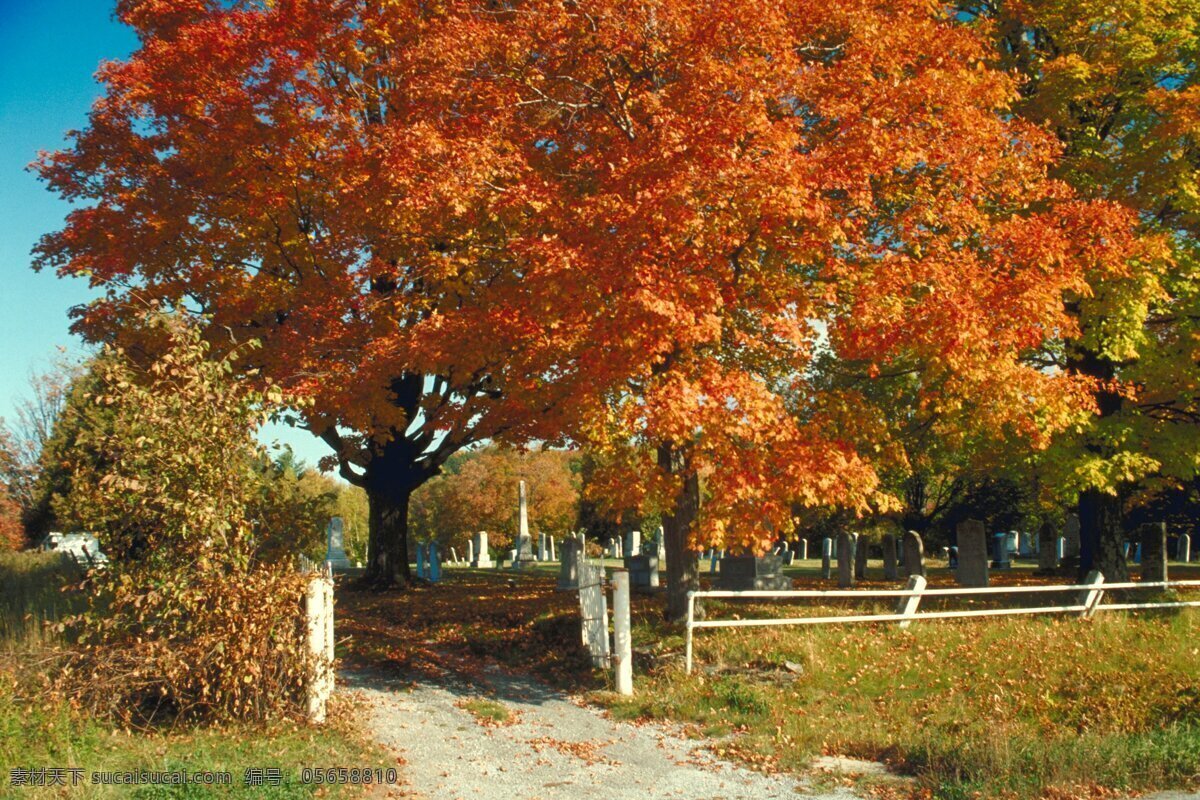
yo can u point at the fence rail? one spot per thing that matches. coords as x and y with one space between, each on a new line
1089 602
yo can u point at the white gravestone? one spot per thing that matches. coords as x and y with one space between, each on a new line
524 549
482 558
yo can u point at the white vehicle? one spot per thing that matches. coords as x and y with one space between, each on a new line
83 547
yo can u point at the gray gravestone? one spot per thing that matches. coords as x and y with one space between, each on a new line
335 544
891 570
1154 551
1183 549
845 560
1000 551
543 554
914 554
568 570
826 555
643 571
972 554
860 558
633 544
524 545
744 573
1068 559
801 549
482 557
1047 549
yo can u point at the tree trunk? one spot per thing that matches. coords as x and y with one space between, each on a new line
683 563
1101 536
387 541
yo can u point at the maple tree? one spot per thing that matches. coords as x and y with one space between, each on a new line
1117 85
629 223
837 195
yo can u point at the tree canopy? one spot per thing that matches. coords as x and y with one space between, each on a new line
633 224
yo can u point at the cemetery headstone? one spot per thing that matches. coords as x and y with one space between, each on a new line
952 556
914 554
335 544
524 550
789 557
972 554
435 563
1183 549
847 546
1154 551
481 558
643 571
745 573
568 569
891 569
1000 551
860 558
1047 551
471 551
1068 561
543 554
801 549
1025 546
826 555
634 543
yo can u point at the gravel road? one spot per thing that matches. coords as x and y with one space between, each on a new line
556 749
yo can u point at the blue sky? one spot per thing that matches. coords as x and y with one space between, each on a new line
49 52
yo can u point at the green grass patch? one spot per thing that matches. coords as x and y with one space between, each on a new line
1020 708
489 712
31 596
36 737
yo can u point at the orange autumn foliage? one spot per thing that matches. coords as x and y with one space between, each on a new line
629 223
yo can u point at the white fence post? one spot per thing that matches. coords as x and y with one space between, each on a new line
908 605
1091 597
318 608
691 618
622 636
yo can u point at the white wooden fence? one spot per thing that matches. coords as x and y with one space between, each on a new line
1088 602
593 610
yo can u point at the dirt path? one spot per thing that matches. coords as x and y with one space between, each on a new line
554 750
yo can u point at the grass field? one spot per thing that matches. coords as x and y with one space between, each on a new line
37 733
1030 707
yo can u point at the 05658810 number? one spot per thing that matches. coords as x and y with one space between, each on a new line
351 775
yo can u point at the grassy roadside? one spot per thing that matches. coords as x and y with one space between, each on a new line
38 733
1019 708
